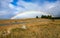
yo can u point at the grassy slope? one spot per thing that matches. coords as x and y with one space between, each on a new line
36 28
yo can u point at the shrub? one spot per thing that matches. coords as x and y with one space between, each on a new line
37 17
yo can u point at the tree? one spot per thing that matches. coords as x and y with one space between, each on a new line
37 17
46 16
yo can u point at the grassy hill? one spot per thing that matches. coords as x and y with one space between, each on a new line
30 28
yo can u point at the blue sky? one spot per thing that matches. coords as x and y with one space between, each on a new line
14 2
11 8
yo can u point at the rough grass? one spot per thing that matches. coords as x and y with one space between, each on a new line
36 28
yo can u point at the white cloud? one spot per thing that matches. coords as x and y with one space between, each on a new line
29 14
7 9
46 7
55 10
11 6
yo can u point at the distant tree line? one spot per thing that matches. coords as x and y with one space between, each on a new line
44 16
48 17
55 17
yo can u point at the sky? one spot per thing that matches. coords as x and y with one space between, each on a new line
18 8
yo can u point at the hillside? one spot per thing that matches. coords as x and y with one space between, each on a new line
30 28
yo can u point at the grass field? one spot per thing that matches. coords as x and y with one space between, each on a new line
30 28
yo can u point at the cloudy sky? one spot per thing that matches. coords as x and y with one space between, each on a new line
19 8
